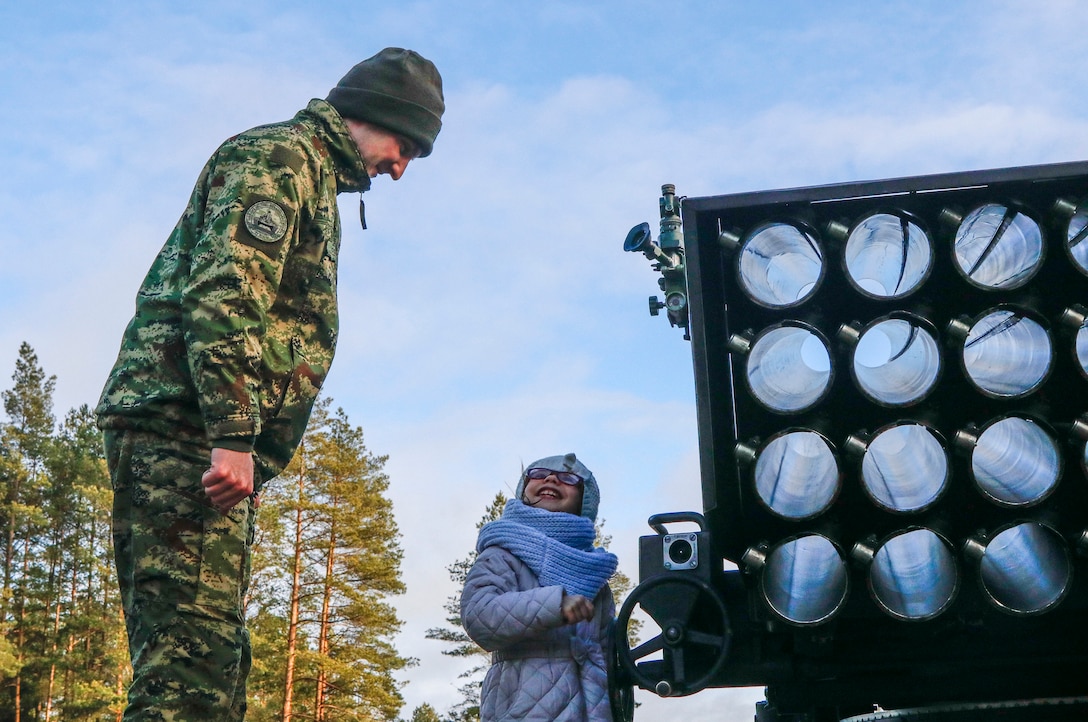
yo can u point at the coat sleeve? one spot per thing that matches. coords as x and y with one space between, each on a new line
233 281
496 613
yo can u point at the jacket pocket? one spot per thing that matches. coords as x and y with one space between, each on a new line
292 378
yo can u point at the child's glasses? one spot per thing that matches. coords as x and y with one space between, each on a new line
564 476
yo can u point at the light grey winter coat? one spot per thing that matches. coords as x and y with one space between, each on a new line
539 663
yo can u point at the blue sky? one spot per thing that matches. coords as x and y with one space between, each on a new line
490 316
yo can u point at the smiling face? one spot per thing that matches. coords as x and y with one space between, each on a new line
551 494
384 152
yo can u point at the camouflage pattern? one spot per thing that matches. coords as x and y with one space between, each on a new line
236 321
183 569
234 331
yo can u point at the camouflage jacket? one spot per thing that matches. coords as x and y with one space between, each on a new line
236 322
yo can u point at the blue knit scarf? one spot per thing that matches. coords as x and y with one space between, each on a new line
557 546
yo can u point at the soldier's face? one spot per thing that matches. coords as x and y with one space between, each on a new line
384 153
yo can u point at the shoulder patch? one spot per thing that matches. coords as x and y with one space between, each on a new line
266 221
281 155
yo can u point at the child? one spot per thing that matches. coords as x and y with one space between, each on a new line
538 599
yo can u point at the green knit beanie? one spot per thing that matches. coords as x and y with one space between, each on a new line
399 90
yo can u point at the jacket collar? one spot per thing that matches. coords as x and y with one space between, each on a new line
351 171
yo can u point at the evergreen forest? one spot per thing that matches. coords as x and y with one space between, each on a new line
320 609
326 567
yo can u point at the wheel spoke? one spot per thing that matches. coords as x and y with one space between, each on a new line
709 640
678 667
647 648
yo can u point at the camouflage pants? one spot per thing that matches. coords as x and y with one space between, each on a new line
184 571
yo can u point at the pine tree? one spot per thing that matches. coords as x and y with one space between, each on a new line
336 546
468 709
25 439
62 653
85 647
425 713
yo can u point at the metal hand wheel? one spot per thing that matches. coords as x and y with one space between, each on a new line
621 693
693 641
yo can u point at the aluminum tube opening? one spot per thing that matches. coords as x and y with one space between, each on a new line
797 475
1007 354
1016 462
780 265
997 247
789 368
805 580
1026 569
896 362
887 256
905 468
914 575
1076 239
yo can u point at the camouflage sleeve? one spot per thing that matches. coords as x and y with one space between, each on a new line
250 223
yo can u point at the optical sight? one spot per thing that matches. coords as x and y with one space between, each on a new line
667 257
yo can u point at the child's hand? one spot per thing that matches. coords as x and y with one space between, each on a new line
576 608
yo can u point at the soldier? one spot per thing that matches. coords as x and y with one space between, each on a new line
233 335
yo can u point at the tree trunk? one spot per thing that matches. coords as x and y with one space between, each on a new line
58 605
323 636
296 589
9 551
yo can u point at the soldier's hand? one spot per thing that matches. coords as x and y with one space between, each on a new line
229 479
576 608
